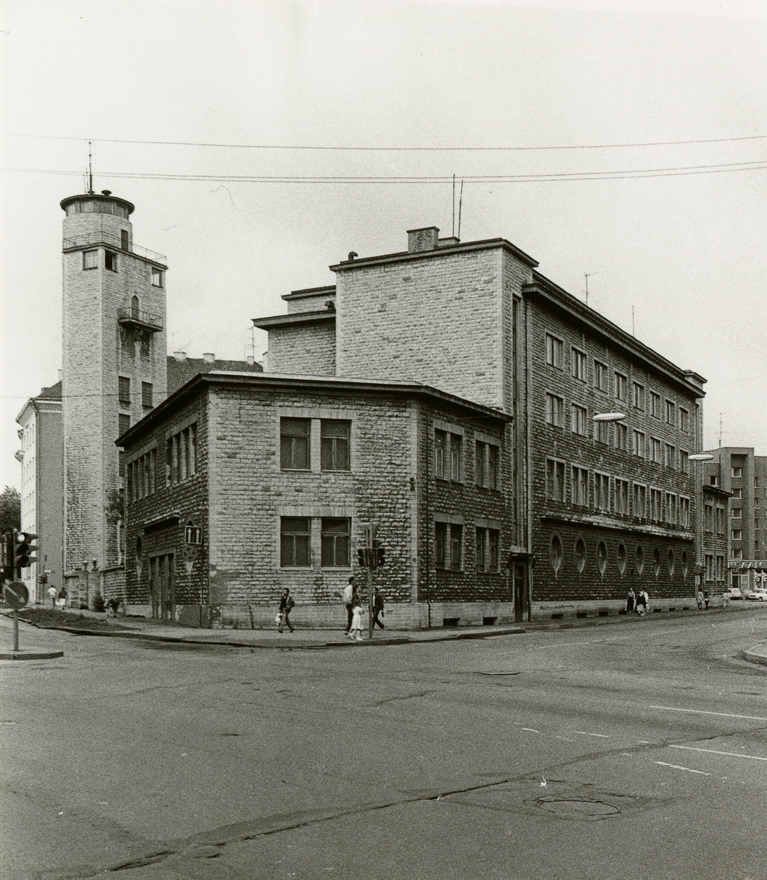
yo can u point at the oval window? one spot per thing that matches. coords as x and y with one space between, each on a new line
580 554
622 556
671 563
602 557
555 553
639 556
656 562
685 567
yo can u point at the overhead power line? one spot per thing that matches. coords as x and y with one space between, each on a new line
411 149
624 174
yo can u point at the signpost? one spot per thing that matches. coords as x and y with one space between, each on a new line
16 596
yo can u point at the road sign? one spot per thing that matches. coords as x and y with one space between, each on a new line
16 594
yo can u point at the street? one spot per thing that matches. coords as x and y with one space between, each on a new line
630 751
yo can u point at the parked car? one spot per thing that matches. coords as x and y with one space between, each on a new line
733 593
759 594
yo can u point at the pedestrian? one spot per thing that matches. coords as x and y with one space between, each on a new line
349 596
630 601
378 608
642 602
286 604
355 629
52 595
62 600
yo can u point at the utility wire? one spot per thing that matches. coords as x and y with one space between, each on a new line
756 165
392 149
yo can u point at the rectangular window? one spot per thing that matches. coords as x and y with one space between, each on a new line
655 404
602 492
621 497
720 519
486 465
638 395
600 376
294 541
656 505
737 472
335 445
448 546
124 239
708 517
672 516
90 259
157 277
579 486
684 461
621 437
440 442
110 260
336 542
720 568
146 395
456 444
709 567
294 444
181 455
578 420
602 432
621 386
123 390
488 541
684 512
655 450
684 419
554 348
670 412
639 444
448 456
735 513
555 480
737 534
737 493
123 423
737 554
670 455
555 410
640 500
579 364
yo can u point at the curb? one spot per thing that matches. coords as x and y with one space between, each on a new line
754 656
31 655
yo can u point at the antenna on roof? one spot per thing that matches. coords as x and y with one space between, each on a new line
587 275
460 204
90 169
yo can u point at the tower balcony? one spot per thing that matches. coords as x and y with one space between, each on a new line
99 237
137 319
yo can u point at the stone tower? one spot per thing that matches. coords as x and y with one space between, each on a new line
114 358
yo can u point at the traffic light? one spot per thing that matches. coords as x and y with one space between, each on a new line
24 549
362 557
379 557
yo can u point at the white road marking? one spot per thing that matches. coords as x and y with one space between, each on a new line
704 712
583 733
678 767
531 730
714 752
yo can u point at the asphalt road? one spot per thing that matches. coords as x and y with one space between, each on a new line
633 751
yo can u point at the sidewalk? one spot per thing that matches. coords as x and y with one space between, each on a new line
165 631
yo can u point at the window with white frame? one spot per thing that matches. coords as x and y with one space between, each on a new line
335 444
578 420
655 404
684 461
655 450
621 437
554 351
579 486
672 516
602 432
602 492
639 440
621 386
487 456
621 496
638 395
670 412
670 456
90 259
600 376
684 512
737 472
579 364
488 543
335 542
656 505
295 444
448 546
737 534
684 419
555 410
555 480
295 539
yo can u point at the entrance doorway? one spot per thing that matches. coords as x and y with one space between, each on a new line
521 588
162 586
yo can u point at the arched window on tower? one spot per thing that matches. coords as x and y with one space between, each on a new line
134 309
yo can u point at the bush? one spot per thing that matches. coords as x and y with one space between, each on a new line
98 602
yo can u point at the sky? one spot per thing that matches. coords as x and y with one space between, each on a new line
622 145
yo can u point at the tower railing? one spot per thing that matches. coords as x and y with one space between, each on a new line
139 318
89 239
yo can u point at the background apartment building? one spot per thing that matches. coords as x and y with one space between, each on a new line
744 475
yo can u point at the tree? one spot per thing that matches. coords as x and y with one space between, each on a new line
10 510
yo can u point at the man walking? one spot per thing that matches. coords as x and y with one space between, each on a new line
286 604
350 598
378 608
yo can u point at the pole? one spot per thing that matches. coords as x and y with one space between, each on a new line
370 536
15 631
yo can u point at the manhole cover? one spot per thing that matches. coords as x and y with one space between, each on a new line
578 808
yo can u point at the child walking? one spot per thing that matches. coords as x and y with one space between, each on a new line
355 631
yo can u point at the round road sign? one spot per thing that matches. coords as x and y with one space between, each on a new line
16 594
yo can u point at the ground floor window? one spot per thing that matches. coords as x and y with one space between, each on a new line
295 533
336 542
488 541
448 546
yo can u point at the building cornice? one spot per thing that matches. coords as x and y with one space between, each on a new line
294 319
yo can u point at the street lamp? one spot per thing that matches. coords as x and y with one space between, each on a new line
608 417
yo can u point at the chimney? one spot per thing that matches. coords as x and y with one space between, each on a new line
208 357
179 355
426 239
250 359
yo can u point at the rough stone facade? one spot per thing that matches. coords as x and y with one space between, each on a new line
241 494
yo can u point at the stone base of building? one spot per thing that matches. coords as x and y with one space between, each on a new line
543 611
